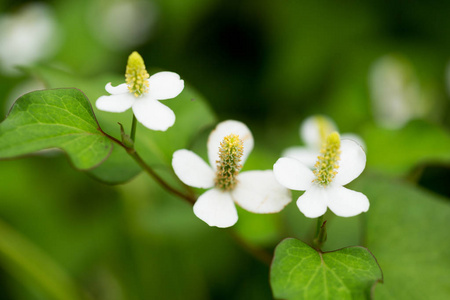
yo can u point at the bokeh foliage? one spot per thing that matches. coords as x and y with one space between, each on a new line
269 64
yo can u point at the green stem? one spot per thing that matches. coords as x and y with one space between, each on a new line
133 128
321 233
189 198
319 225
132 152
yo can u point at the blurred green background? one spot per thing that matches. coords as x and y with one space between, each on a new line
380 69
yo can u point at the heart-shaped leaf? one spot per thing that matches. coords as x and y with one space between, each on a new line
300 272
60 118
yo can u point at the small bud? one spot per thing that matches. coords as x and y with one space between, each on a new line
126 139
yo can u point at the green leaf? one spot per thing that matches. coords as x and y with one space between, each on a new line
60 118
119 167
399 151
300 272
407 230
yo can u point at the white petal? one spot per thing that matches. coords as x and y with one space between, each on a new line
259 192
216 208
292 174
346 203
315 129
165 85
303 154
222 130
115 103
153 114
192 170
313 203
354 137
351 164
115 90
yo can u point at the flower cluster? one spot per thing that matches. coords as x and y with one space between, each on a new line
321 169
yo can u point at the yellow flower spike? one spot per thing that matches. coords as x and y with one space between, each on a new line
229 163
136 75
326 165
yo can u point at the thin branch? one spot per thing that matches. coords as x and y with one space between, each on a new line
149 170
132 152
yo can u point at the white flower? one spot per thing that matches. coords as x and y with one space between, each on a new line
228 147
340 162
313 132
142 94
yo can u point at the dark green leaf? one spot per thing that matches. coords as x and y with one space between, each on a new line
407 230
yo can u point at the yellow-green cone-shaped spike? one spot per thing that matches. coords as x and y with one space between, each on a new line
136 75
328 162
229 163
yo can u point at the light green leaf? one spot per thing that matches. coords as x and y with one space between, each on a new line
60 118
300 272
399 151
407 230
